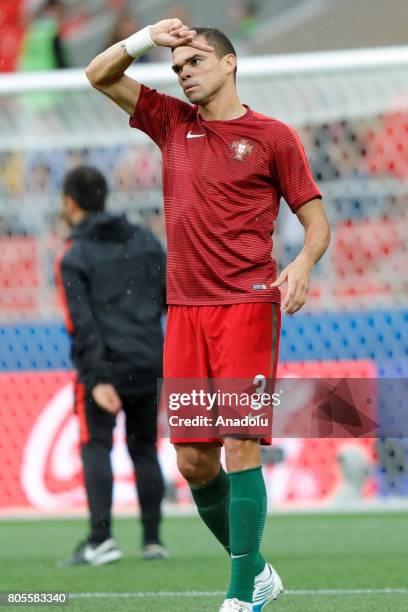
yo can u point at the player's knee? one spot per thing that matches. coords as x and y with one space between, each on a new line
241 454
196 467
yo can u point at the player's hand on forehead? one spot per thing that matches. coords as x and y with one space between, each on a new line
189 37
173 33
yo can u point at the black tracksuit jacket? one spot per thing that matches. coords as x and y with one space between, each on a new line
112 278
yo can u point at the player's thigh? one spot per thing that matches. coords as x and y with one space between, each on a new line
95 424
199 463
185 352
244 340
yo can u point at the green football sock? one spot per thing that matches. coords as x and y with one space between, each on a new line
212 501
247 519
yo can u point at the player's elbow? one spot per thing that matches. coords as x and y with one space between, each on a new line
91 74
326 232
95 73
323 233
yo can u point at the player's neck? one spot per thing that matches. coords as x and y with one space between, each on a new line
223 108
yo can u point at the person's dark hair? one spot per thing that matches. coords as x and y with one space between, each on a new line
50 5
53 4
46 6
88 187
251 8
217 39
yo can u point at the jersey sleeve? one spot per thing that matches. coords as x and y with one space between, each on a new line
158 114
291 169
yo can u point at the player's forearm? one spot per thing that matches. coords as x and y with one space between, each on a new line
109 66
317 239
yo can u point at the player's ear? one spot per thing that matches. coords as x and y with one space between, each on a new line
230 63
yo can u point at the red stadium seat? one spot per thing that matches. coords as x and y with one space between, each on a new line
19 274
12 31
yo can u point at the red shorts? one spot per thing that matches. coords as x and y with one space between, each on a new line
224 342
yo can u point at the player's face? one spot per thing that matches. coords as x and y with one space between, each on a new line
201 74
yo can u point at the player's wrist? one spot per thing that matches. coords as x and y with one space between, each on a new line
139 43
306 260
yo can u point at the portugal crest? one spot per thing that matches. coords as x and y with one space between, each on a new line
241 149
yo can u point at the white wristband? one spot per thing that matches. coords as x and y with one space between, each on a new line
139 43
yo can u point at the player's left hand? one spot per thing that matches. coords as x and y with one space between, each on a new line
297 275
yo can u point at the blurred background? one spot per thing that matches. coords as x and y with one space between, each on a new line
256 26
300 61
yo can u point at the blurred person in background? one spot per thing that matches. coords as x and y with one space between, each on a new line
111 278
42 49
242 15
42 46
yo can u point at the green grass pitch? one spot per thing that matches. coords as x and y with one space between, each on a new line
327 562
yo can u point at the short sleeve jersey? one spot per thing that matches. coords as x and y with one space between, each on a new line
222 185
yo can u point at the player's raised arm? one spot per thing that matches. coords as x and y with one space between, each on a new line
106 72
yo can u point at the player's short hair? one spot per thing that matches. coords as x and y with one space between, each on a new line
217 39
88 187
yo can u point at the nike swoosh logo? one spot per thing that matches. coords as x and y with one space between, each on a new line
238 556
190 135
254 416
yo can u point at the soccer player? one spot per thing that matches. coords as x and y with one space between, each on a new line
111 278
225 168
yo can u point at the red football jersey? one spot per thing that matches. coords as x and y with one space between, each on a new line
222 184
